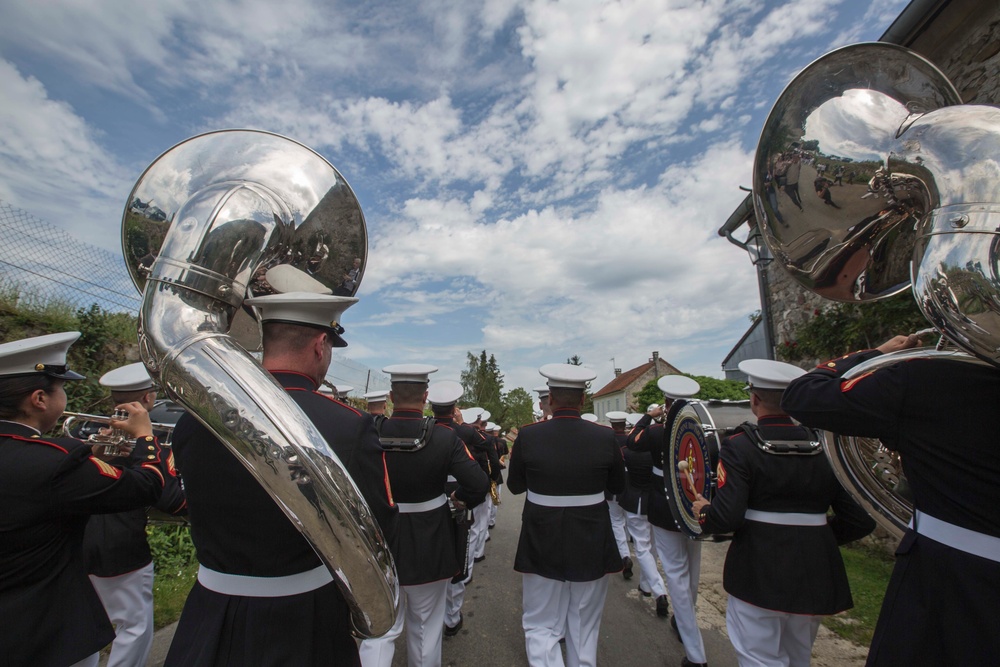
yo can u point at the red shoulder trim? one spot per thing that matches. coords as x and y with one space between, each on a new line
849 384
39 441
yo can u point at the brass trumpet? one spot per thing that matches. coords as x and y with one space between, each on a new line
115 442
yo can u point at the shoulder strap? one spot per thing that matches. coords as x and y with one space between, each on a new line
404 444
808 447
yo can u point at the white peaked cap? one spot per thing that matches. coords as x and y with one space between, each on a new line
678 386
379 396
286 278
45 355
567 375
490 426
543 391
485 416
344 389
418 373
589 416
322 311
445 392
617 416
469 415
768 374
327 389
133 377
633 418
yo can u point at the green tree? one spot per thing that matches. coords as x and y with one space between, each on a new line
711 388
482 383
588 397
517 412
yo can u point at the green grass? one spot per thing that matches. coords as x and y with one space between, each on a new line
868 570
170 590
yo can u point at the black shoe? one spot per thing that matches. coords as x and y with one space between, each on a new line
677 633
645 594
452 630
687 663
479 559
662 606
627 567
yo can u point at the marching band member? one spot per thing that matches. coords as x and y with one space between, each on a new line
941 604
376 401
679 555
635 503
115 548
617 421
263 596
425 554
566 547
49 486
502 450
783 570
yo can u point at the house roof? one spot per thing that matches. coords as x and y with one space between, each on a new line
746 335
622 382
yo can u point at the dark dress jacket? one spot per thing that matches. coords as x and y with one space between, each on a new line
115 544
48 489
650 437
942 603
794 569
426 545
237 528
566 456
639 475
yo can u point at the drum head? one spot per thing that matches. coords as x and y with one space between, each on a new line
687 443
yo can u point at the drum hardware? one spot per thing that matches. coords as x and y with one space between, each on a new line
926 219
239 203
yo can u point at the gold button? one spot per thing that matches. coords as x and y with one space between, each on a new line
149 438
150 457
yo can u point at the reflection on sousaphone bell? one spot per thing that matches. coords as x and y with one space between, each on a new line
921 200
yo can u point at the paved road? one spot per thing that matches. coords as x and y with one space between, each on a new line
631 633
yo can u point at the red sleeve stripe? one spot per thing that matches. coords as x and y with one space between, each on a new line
388 485
847 386
150 466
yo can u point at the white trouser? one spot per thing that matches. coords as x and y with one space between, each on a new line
480 526
89 661
379 652
649 575
422 614
766 638
681 560
128 601
618 527
553 608
456 592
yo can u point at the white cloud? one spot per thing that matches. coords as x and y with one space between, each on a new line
52 164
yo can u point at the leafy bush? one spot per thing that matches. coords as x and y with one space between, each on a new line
847 327
171 546
711 388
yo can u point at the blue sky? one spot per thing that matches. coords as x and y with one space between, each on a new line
539 179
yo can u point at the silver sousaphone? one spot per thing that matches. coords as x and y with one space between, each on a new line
202 227
694 438
919 206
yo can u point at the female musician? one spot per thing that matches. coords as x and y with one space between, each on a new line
48 488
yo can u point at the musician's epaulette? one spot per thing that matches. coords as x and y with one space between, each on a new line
808 447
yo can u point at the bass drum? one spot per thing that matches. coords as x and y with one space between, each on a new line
696 430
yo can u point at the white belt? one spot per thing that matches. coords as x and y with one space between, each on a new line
451 478
786 518
264 587
658 471
426 506
565 501
963 539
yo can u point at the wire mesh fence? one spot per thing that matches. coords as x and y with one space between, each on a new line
41 264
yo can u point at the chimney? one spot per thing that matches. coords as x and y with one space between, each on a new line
618 372
656 363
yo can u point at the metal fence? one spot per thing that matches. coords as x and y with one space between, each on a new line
41 264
